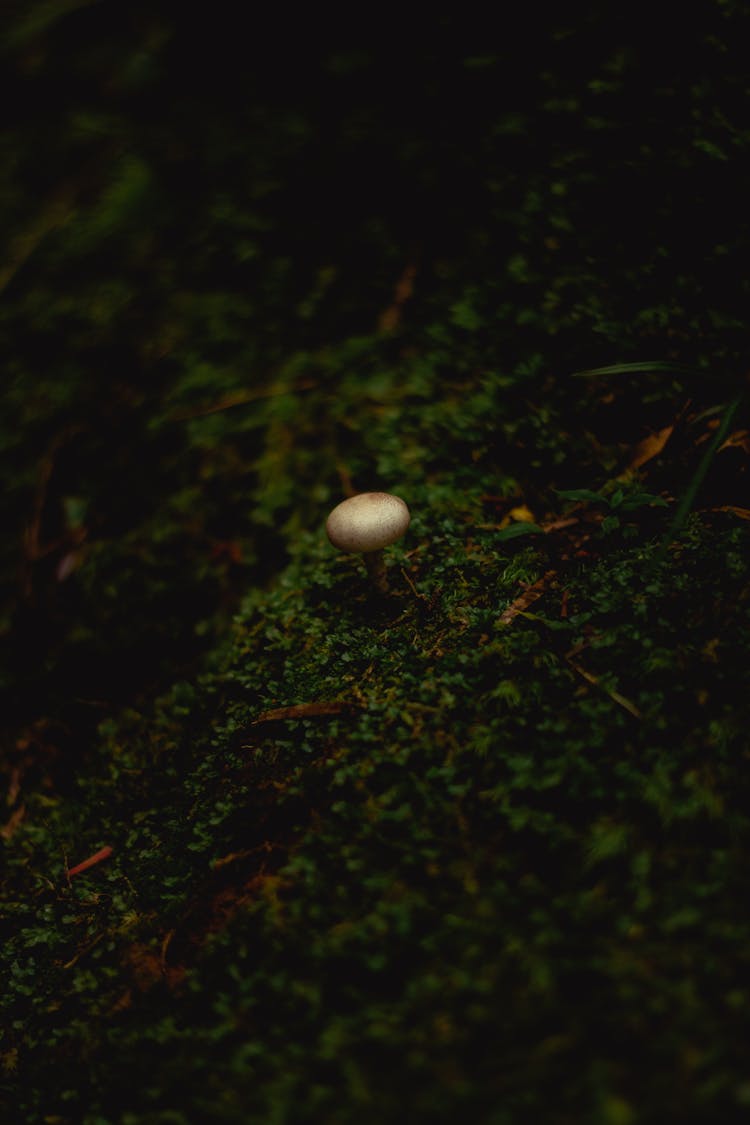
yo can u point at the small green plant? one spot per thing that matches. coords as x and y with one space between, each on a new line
727 411
620 503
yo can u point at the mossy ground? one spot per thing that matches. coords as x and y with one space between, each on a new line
477 849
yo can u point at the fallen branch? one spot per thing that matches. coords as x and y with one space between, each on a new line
304 711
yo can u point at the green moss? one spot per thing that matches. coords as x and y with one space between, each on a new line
449 892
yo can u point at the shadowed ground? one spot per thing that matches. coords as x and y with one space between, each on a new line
477 848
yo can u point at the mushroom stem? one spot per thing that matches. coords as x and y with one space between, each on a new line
375 564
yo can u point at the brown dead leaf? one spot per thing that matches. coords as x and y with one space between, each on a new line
13 822
740 438
124 1002
389 319
650 447
14 785
232 857
743 513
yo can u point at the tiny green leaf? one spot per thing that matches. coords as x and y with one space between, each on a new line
517 529
642 500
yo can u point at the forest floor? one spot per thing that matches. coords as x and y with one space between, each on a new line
278 847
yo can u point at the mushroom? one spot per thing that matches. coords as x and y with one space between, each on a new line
366 523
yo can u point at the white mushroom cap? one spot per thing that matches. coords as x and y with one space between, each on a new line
367 522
